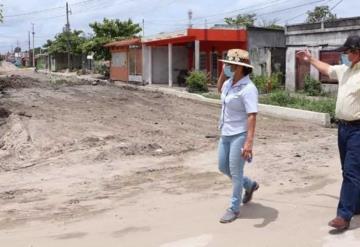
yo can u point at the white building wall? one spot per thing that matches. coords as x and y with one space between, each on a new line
315 40
160 65
145 64
290 69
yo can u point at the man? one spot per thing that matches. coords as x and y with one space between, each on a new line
348 115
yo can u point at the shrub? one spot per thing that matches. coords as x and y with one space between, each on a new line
312 86
197 82
102 68
267 84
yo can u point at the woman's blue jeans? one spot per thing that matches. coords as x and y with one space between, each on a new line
231 163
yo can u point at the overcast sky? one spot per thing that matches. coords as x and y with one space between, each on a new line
159 15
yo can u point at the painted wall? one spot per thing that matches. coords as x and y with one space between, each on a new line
119 65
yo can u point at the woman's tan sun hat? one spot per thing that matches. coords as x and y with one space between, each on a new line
237 57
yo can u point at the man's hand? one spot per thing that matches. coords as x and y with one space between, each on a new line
304 55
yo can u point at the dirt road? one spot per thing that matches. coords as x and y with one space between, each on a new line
85 165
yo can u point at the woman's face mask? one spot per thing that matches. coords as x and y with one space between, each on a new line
227 71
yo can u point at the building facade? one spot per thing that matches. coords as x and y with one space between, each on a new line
321 39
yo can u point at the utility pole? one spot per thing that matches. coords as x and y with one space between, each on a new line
33 34
143 27
190 14
29 47
67 30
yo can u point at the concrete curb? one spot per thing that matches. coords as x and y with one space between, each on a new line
322 119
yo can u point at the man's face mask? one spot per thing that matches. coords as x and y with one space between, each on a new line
345 60
227 71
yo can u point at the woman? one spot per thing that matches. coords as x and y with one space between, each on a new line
239 98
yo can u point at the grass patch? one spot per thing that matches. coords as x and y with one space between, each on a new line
283 98
211 95
297 101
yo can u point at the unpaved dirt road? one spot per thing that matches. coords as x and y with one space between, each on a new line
84 165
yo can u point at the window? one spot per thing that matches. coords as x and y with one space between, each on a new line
118 59
203 60
214 66
135 61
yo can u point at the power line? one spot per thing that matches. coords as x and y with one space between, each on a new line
33 12
282 10
252 8
47 10
268 4
295 17
297 6
333 7
101 4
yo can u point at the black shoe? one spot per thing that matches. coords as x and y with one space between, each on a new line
248 194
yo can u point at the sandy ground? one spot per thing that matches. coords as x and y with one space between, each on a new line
84 165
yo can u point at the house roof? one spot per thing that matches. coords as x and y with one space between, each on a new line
126 42
192 34
189 35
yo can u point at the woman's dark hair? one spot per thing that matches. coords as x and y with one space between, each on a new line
247 70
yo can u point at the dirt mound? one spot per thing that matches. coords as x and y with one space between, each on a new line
15 143
6 66
56 82
15 81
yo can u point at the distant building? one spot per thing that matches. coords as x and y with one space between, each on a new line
267 48
126 60
321 39
166 58
58 61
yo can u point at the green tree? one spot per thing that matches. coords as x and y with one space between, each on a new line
242 20
320 13
60 43
269 24
108 31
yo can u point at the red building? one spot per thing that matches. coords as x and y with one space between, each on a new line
164 57
126 60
